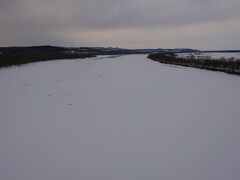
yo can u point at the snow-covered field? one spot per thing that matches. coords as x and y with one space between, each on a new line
232 56
122 118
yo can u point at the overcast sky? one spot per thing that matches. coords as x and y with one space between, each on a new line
202 24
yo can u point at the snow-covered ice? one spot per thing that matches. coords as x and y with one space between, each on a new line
123 118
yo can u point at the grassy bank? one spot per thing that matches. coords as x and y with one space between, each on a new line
227 66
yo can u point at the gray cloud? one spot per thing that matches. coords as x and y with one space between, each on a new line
27 22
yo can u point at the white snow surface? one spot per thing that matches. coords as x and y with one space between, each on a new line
236 56
119 118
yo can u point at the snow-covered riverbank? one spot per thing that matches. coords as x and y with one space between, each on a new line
208 61
217 55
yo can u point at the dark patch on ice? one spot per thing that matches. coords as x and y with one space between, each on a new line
26 85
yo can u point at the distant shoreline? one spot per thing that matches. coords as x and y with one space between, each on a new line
10 56
13 56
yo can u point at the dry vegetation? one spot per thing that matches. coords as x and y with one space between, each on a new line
223 65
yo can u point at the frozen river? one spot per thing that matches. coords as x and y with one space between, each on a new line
122 118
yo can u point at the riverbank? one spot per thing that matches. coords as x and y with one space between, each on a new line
23 55
227 65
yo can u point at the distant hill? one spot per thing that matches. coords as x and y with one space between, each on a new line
88 50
